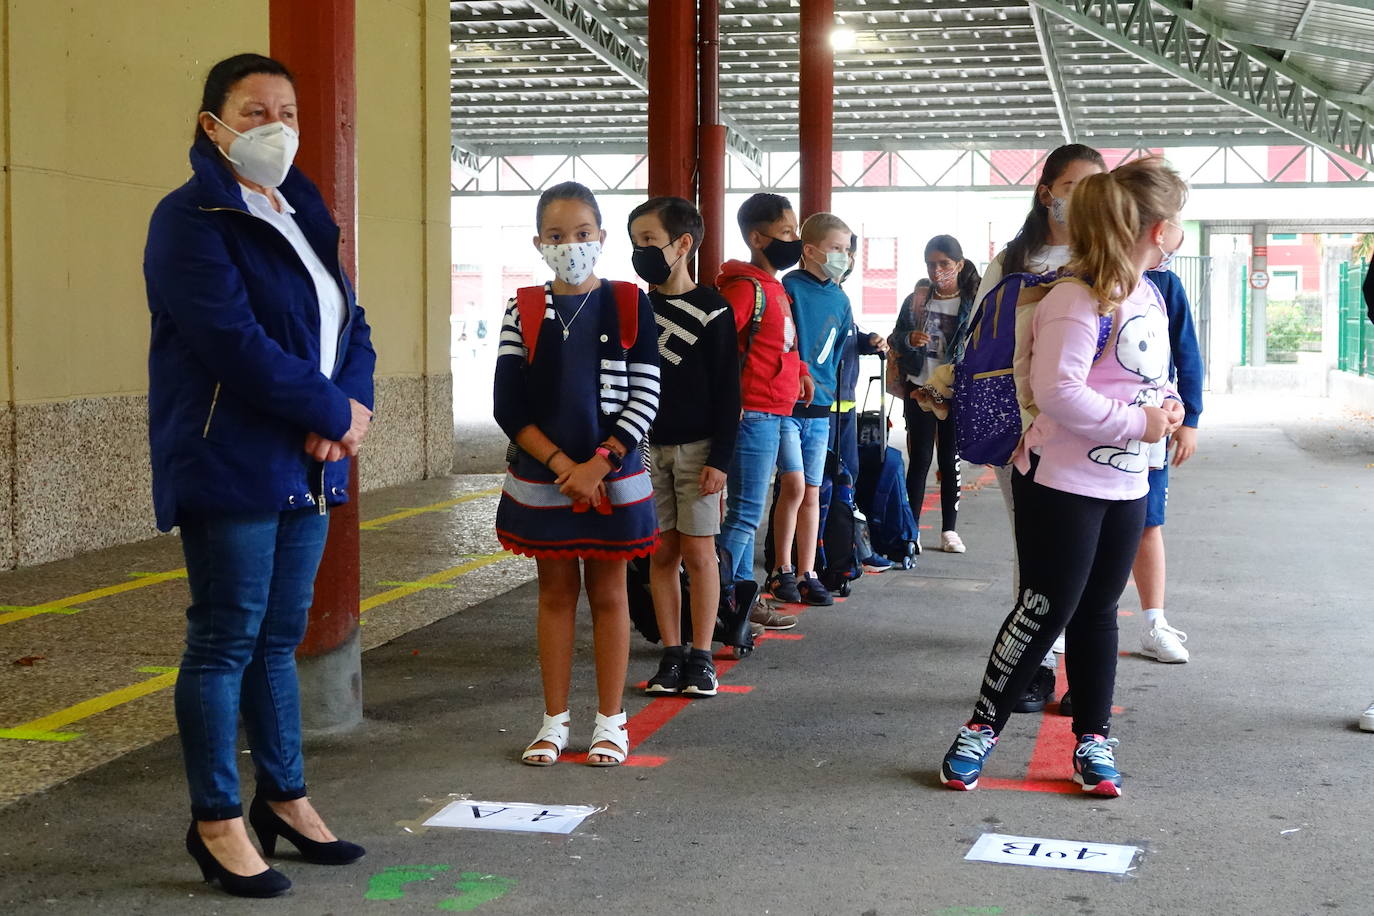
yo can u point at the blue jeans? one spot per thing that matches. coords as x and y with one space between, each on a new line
751 468
805 441
252 578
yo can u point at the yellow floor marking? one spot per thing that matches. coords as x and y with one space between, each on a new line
438 578
382 522
63 605
45 729
143 580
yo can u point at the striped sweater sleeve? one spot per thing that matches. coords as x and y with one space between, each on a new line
510 395
632 425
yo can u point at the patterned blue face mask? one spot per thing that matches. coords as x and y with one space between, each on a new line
1059 210
572 263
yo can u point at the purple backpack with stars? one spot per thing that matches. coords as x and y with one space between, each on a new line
993 404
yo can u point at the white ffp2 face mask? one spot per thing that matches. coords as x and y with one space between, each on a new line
574 262
264 154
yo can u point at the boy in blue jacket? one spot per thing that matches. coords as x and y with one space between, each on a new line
824 320
1160 641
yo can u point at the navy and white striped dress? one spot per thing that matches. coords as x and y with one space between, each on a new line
578 391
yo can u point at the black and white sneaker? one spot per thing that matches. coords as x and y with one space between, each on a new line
671 672
700 678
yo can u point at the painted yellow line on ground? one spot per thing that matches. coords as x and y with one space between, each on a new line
16 613
64 605
46 728
382 522
430 581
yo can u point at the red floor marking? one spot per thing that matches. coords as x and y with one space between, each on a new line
774 635
1125 613
1050 768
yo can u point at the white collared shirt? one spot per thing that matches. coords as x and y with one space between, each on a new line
326 286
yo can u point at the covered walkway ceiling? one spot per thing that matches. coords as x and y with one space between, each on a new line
569 76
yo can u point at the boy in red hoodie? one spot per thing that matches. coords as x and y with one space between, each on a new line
772 376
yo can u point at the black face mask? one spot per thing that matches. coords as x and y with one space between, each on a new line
651 264
783 255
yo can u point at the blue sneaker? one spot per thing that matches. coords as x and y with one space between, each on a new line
876 564
963 763
1094 766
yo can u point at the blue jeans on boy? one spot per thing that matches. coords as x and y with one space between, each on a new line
252 578
751 469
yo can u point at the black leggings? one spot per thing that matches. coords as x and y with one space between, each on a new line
925 433
1075 556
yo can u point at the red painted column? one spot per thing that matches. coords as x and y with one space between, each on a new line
672 98
710 143
315 40
817 87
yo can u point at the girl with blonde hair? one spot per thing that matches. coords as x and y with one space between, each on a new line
1099 375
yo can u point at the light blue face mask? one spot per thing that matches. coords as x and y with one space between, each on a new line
836 265
1168 259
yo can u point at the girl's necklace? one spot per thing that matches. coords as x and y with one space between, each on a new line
567 325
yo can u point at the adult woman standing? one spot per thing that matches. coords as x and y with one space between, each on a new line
260 384
930 332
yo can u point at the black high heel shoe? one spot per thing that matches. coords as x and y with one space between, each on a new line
270 883
268 826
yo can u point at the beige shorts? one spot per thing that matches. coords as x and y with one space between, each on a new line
676 473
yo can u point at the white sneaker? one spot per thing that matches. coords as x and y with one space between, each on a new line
950 543
1367 719
1058 647
1165 644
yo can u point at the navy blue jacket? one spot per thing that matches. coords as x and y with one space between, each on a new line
1186 372
234 381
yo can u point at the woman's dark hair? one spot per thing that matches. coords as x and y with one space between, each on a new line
568 190
1036 229
679 217
968 277
223 76
761 211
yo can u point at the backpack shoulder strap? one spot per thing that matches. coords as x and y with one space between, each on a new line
530 304
627 310
756 322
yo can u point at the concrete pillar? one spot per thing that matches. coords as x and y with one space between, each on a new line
710 143
815 136
672 98
1259 298
316 41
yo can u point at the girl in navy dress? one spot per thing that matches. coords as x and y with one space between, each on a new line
576 390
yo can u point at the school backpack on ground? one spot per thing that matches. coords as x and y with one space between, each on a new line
993 403
881 496
837 562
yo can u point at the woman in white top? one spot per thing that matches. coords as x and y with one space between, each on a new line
1041 246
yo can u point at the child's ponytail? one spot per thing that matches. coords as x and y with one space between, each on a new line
1109 213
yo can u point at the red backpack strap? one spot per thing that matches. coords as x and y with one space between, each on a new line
530 303
627 311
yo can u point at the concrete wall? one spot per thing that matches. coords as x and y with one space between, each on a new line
97 105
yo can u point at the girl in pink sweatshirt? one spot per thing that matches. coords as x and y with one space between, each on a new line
1100 378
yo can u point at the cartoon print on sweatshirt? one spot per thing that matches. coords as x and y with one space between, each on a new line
1142 348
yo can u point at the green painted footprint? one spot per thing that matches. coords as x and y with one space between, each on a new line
476 889
390 884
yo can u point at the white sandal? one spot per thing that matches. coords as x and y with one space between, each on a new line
555 732
609 730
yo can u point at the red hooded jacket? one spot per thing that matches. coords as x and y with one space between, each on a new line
771 376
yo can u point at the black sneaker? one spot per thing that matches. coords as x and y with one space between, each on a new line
700 679
814 592
1038 692
783 585
670 676
1066 704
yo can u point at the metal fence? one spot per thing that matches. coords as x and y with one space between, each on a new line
1355 351
1196 274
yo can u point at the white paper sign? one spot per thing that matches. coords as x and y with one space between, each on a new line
485 815
1045 853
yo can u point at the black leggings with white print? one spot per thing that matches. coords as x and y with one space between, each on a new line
1075 556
